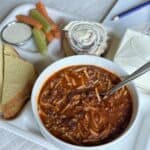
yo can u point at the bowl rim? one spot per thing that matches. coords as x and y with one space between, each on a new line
47 134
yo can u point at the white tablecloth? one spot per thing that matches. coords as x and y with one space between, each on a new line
92 9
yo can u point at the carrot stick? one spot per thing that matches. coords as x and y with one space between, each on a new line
41 8
57 34
29 20
54 27
49 36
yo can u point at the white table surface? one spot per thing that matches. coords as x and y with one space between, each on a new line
8 141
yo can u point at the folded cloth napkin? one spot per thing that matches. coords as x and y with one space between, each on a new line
133 52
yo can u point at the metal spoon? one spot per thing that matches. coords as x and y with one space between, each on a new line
145 68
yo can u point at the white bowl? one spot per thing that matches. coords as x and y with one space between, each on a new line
82 60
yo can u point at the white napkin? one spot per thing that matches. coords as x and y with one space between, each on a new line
134 51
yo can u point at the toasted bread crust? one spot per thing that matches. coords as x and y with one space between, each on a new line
15 105
9 48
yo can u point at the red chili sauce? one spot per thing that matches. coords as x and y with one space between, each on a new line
84 118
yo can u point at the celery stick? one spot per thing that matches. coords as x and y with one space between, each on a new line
39 17
40 40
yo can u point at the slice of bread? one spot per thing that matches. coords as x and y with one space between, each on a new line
1 71
19 76
9 50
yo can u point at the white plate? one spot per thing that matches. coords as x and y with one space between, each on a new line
24 125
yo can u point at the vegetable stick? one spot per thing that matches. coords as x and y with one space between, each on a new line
40 40
39 17
41 8
57 34
29 20
49 36
55 27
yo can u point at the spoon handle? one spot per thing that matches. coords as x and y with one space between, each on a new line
145 68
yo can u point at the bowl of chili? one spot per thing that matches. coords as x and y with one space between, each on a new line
74 118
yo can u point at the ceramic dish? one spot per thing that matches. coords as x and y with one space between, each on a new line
11 29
